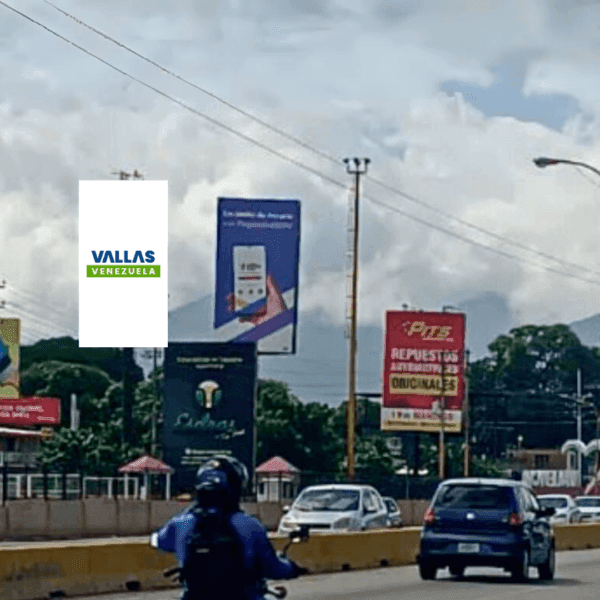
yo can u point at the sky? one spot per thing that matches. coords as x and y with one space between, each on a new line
450 99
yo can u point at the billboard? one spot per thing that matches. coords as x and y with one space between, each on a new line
209 400
10 341
423 363
123 264
30 411
258 252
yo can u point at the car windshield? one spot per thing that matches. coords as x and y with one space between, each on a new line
553 502
328 499
473 496
391 507
588 502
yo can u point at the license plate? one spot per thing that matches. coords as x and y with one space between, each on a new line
468 548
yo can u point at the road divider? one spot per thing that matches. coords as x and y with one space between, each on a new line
39 571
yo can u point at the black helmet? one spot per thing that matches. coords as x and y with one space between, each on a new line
221 479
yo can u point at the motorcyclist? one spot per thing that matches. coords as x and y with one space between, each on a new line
221 482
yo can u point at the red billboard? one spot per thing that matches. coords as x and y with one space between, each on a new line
423 369
30 411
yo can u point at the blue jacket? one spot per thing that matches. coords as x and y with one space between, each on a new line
259 554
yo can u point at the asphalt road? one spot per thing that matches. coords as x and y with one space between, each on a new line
577 578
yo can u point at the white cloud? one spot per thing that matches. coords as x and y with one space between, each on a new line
350 79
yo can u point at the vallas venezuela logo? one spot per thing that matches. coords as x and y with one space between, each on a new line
141 265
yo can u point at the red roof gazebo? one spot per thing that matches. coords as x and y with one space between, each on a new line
148 465
276 464
277 479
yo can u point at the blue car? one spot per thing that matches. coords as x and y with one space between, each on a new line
487 523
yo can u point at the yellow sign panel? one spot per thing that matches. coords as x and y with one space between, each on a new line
10 332
423 385
408 419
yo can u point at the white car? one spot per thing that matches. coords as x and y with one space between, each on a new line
565 508
336 507
589 508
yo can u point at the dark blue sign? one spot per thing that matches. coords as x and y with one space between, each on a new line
258 251
209 406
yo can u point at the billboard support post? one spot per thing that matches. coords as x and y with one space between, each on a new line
467 424
442 449
361 168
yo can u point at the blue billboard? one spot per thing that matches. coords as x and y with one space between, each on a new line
258 253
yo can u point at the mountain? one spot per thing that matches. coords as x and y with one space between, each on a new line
318 371
587 330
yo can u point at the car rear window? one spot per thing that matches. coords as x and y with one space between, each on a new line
588 502
553 502
474 496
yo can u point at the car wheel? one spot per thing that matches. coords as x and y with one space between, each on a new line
427 570
520 572
457 570
546 570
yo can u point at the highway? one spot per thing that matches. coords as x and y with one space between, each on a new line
577 578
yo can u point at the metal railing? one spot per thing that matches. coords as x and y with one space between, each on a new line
19 459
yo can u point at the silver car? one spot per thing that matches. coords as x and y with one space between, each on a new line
565 508
336 507
589 507
393 511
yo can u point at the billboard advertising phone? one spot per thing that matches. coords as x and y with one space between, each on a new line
258 252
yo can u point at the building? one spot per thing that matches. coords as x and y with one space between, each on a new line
20 447
276 480
541 459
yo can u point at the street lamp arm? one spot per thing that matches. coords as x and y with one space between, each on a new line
545 162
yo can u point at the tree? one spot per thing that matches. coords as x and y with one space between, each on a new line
60 380
541 358
67 350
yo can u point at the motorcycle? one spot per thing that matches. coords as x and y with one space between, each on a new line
278 591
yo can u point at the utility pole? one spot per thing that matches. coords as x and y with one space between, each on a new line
128 360
156 399
360 168
579 434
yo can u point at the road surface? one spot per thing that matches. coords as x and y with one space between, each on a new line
577 578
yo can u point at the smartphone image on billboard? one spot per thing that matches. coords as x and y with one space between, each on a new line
5 362
249 279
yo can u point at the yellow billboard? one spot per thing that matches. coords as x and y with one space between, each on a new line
10 331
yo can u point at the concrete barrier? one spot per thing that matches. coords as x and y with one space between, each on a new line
26 520
33 572
577 537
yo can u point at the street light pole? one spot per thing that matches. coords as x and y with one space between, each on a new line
543 162
360 169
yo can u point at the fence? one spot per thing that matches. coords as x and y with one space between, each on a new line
74 486
282 486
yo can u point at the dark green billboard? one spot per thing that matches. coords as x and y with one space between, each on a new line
209 406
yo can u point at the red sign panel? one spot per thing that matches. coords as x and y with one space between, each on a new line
423 371
30 411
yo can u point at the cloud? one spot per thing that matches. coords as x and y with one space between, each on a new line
350 78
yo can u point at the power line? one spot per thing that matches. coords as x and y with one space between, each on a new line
480 229
35 318
265 124
39 305
297 163
318 152
35 297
